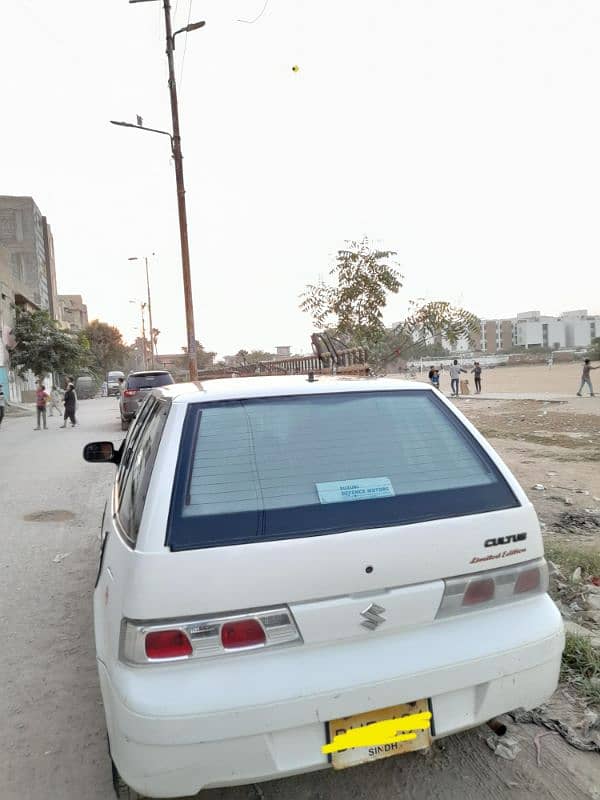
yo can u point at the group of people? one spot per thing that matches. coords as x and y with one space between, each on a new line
50 401
455 371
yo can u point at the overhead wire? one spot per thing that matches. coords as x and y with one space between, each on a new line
185 43
252 21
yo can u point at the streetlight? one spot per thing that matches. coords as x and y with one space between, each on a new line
137 258
175 138
142 307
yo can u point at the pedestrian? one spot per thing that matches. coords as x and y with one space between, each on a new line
55 398
435 379
41 400
455 370
477 372
431 373
2 404
585 378
121 387
70 402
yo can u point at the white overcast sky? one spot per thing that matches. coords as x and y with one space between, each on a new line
465 134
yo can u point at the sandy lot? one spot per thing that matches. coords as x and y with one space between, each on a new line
561 379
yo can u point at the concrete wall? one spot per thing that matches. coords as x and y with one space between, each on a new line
22 233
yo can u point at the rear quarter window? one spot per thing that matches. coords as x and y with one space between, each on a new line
273 468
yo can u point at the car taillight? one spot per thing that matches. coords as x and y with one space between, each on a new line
243 633
480 591
203 637
130 392
167 644
493 587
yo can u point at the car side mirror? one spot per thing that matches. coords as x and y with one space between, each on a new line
101 453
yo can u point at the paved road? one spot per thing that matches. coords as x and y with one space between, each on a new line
52 739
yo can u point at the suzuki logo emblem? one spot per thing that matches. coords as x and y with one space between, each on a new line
372 616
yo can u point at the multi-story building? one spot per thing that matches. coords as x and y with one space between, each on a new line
13 295
27 236
495 336
580 328
535 330
72 311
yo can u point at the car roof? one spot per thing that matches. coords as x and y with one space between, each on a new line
243 388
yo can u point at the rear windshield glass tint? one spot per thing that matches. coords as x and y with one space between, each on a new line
149 381
283 467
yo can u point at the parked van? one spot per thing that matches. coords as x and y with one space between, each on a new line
299 575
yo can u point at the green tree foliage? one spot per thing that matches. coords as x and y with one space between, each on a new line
594 353
422 332
353 304
204 358
43 347
106 347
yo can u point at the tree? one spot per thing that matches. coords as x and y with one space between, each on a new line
594 353
106 346
204 358
353 305
423 332
43 347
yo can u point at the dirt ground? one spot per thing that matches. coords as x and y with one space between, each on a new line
561 379
53 740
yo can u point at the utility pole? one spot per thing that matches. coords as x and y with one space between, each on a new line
135 258
181 205
150 317
144 348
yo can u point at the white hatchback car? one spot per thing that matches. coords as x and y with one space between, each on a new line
297 574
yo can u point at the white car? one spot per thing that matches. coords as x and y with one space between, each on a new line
302 574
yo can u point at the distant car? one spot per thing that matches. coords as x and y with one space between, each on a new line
112 382
136 387
299 575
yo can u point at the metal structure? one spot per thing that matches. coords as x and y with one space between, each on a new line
330 355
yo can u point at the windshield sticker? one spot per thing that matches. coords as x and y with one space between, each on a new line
354 489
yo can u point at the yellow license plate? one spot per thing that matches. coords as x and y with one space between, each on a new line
379 734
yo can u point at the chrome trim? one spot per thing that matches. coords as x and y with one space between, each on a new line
372 616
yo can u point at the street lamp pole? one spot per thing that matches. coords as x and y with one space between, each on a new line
135 258
181 205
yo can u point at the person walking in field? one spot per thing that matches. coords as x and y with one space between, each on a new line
70 402
455 370
477 373
585 378
41 400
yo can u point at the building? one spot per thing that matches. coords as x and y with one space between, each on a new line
27 236
535 330
495 336
580 328
72 311
13 295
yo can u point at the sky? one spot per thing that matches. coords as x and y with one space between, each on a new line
463 135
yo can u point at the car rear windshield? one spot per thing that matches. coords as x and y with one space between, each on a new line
283 467
149 380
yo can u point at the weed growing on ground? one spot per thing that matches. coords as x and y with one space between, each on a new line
569 557
581 667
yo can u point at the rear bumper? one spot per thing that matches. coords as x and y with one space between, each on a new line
261 716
